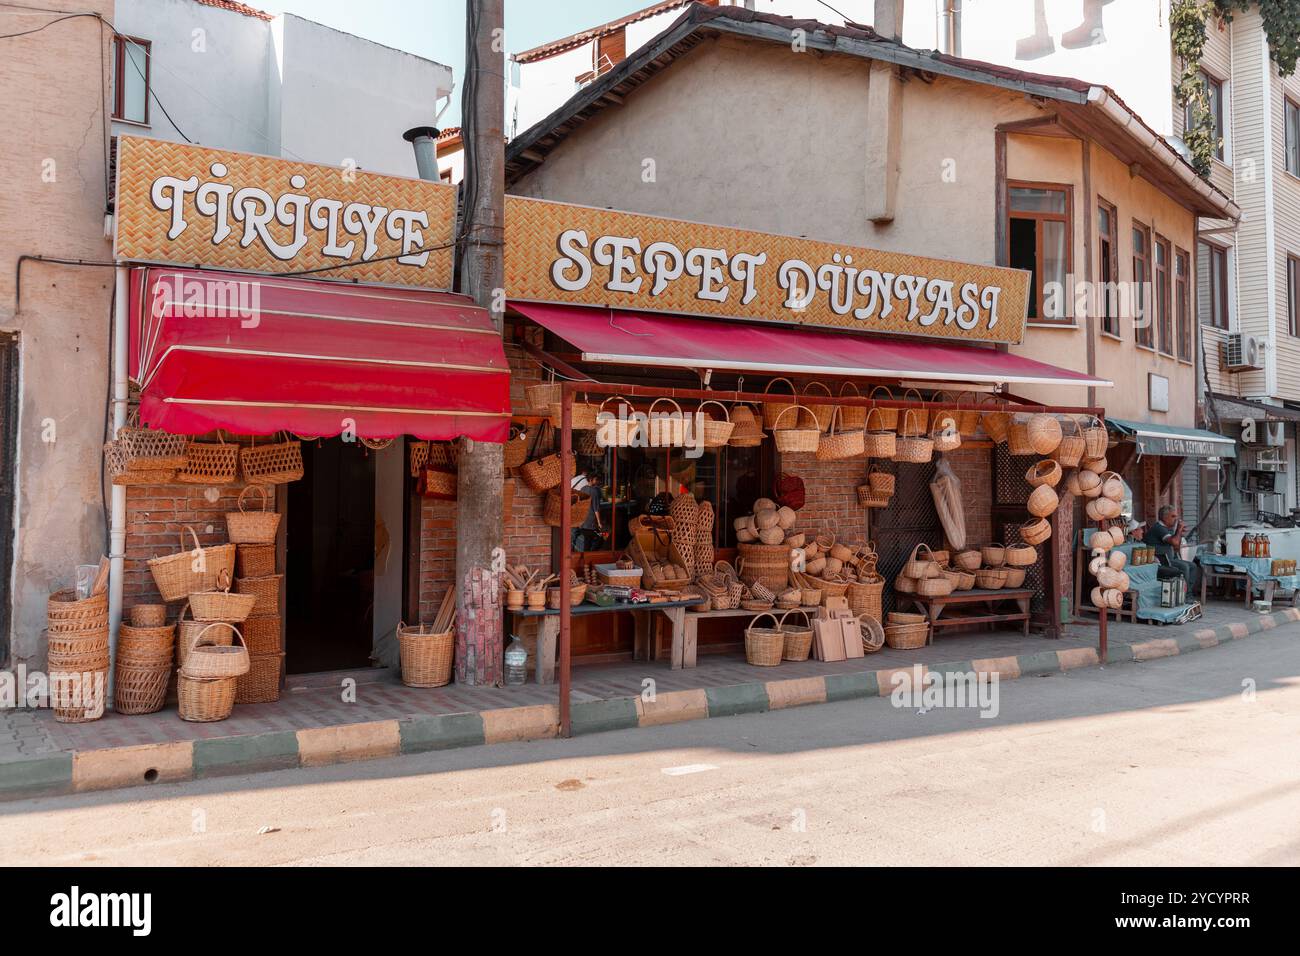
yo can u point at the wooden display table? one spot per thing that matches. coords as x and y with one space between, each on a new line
934 608
643 615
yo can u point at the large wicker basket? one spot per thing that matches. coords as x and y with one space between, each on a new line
261 684
265 590
906 636
798 637
426 655
78 696
179 575
205 701
254 560
140 688
65 614
767 564
791 438
866 597
221 604
209 661
188 632
252 527
764 645
262 635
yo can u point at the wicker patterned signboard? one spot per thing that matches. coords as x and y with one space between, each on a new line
556 252
191 205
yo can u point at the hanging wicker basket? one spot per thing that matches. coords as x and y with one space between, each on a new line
209 464
716 432
1036 532
276 464
621 429
793 440
579 508
667 430
1018 441
839 445
1046 472
774 409
852 417
1043 501
1095 439
1044 433
252 527
1070 451
913 449
815 415
541 474
914 421
152 450
746 431
880 440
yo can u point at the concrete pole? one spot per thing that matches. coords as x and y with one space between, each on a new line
479 642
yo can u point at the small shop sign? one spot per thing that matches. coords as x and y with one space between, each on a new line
179 204
557 252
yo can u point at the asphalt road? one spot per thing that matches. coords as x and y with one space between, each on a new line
1170 762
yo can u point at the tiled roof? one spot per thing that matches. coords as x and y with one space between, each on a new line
240 8
577 39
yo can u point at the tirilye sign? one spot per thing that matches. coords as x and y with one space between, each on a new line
190 205
556 252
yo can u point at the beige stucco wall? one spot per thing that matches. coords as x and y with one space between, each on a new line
52 131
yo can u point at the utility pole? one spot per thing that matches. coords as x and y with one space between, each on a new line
479 643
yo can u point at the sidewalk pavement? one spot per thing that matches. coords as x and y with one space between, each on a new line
333 718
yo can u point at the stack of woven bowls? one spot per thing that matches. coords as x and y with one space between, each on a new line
78 651
143 663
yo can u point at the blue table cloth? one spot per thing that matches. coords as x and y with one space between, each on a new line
1258 568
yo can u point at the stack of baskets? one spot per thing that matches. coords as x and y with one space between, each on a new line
210 672
253 534
143 664
78 654
906 631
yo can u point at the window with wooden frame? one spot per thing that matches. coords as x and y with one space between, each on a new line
1107 268
1214 89
1293 293
1183 302
1038 240
1292 123
131 59
1142 311
1163 296
1212 285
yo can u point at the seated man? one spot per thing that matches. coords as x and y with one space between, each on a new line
1166 536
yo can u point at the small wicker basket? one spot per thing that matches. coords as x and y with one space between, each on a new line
426 655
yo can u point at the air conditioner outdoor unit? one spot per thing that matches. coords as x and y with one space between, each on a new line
1242 352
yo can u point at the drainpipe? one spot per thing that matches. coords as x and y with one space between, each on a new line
117 512
423 140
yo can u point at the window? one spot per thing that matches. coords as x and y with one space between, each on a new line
1215 90
1038 239
1293 293
1142 285
1183 303
1292 113
1107 268
131 79
1212 285
1164 316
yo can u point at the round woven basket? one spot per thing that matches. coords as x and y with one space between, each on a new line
140 689
205 701
798 637
209 661
764 645
1046 472
77 696
145 646
1043 501
906 636
64 613
766 564
792 439
774 409
426 655
149 615
716 432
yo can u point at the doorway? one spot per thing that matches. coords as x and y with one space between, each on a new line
330 559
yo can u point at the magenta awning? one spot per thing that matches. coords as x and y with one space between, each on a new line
655 339
259 354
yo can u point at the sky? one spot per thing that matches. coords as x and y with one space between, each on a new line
435 29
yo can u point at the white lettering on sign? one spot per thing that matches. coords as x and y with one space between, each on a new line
257 212
613 263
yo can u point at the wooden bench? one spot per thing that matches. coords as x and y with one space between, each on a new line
933 608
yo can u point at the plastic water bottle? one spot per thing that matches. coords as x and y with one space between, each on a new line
516 663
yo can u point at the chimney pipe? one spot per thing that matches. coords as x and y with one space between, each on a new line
423 140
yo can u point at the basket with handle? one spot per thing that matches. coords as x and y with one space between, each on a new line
764 645
1095 438
1036 531
839 445
207 660
991 579
1043 501
618 429
1046 472
188 632
1044 433
919 421
666 430
275 464
209 464
996 422
116 467
938 586
968 419
515 450
866 596
205 700
426 654
888 416
1018 440
817 416
716 433
179 575
944 431
221 604
792 439
994 555
1021 555
1069 452
852 417
544 394
773 409
913 449
579 508
797 642
878 440
151 449
252 527
582 415
746 431
1015 577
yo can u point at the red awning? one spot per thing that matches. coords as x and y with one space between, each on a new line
255 355
648 338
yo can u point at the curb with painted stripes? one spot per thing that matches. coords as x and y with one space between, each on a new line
118 767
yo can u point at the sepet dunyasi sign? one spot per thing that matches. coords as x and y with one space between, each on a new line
179 204
557 252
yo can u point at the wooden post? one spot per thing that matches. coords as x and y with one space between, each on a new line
481 475
1101 635
566 550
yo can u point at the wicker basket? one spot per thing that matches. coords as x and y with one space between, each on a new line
209 464
120 474
1095 439
773 410
904 585
882 482
275 464
997 425
205 701
579 508
918 567
965 580
152 450
792 439
266 591
944 432
582 415
873 634
993 555
65 614
768 564
905 617
888 416
1044 433
967 560
816 415
866 597
852 417
146 646
1015 577
1036 532
938 586
79 650
879 441
541 474
187 632
261 685
252 527
514 452
914 449
78 696
1018 439
148 615
209 661
764 645
906 636
666 429
1043 501
426 655
542 396
839 445
577 594
1021 555
262 635
716 432
991 579
798 637
918 422
1070 451
222 604
746 431
254 560
140 688
175 575
1046 472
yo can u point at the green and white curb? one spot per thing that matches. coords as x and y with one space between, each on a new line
117 767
